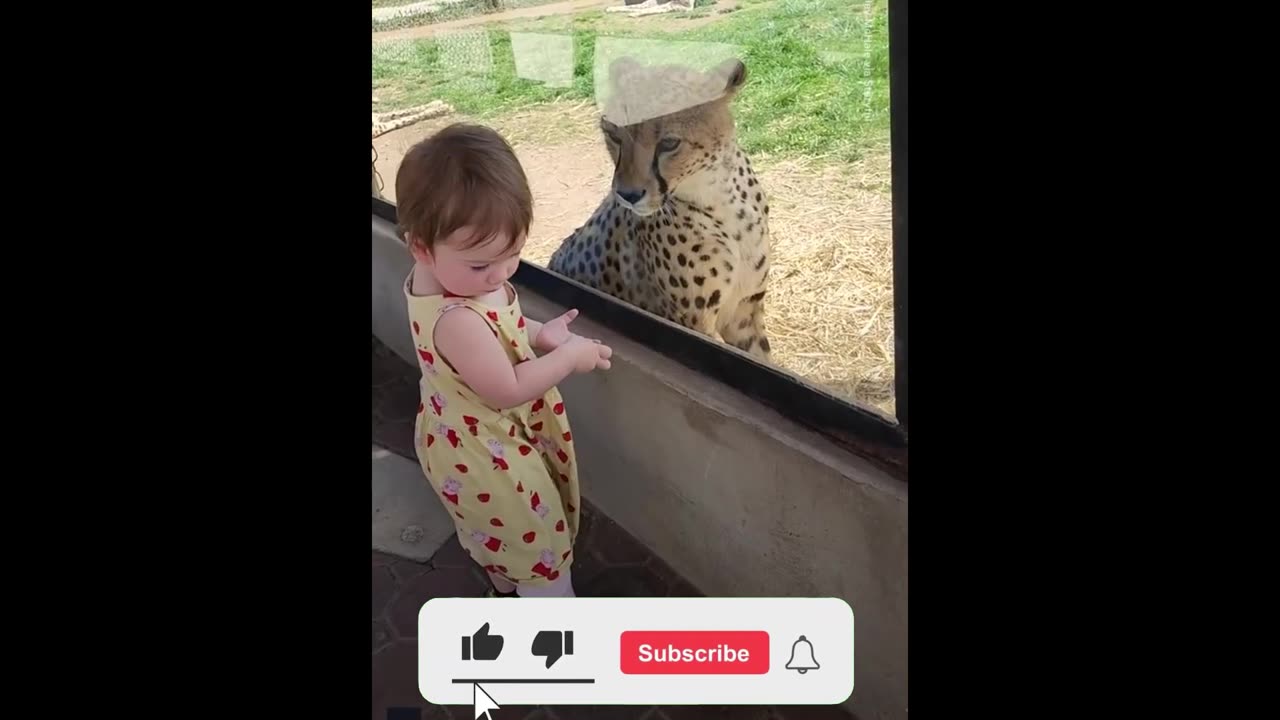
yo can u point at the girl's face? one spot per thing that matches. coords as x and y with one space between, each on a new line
476 271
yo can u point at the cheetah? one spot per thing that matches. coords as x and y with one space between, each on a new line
684 232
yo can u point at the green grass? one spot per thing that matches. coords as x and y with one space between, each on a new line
818 70
473 71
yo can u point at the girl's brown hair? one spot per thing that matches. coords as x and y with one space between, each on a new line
464 175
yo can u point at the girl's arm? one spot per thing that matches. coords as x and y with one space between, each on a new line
471 347
534 329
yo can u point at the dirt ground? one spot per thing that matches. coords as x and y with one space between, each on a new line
524 13
620 21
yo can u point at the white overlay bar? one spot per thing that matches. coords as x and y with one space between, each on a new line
675 651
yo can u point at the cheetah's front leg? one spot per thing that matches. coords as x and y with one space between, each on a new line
744 329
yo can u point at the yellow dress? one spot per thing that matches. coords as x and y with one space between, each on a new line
508 478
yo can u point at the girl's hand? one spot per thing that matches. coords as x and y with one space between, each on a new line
555 333
589 354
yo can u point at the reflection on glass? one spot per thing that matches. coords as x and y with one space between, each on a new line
543 58
466 58
701 56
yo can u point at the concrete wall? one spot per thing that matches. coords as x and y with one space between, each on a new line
739 500
391 265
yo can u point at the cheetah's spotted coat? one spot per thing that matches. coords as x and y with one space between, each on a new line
684 233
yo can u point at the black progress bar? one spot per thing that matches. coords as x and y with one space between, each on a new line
517 681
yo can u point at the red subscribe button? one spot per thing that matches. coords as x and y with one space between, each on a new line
695 652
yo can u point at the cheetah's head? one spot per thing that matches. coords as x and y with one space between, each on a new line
663 124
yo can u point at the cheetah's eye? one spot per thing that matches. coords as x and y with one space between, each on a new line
668 144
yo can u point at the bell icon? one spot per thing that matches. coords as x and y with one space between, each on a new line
802 656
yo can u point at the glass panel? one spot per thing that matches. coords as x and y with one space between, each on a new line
781 167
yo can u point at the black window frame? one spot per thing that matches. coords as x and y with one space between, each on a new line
863 431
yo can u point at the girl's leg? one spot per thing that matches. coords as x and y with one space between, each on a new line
501 585
560 587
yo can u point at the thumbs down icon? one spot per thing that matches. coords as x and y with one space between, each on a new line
552 645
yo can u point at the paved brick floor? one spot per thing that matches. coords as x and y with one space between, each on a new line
609 563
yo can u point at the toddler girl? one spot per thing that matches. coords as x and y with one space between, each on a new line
491 432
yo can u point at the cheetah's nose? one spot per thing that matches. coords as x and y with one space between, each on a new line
631 196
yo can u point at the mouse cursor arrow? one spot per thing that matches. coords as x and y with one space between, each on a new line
483 702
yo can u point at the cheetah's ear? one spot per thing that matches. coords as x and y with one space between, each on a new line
735 74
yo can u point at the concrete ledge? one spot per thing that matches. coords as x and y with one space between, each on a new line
743 502
391 265
408 521
738 499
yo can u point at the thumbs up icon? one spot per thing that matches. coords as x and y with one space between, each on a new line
483 645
